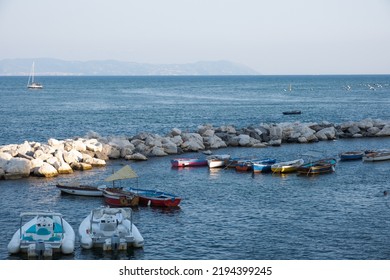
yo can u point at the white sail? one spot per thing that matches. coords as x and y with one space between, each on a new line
33 85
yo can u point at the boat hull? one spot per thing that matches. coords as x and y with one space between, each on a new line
42 236
351 156
156 198
109 229
82 190
184 162
217 161
318 167
376 156
119 198
287 167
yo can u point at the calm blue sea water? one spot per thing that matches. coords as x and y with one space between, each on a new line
224 214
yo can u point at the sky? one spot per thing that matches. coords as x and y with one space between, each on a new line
278 37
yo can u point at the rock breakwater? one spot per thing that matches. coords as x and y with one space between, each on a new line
65 156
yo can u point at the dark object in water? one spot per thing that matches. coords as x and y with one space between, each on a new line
295 112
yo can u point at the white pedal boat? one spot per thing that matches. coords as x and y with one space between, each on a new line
110 229
44 234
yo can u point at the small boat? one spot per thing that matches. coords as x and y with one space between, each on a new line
155 198
353 155
262 166
83 190
215 161
287 166
247 164
42 234
111 229
243 165
233 162
184 162
321 166
294 112
31 84
376 156
117 197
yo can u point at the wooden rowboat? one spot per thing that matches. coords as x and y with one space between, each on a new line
353 155
318 167
117 197
287 166
83 190
377 156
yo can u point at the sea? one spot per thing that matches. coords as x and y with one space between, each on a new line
224 214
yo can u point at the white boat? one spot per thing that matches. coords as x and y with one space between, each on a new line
215 161
83 190
31 84
377 156
287 166
44 234
109 229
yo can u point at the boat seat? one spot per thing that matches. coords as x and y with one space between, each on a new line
43 231
57 228
28 238
108 226
32 229
55 238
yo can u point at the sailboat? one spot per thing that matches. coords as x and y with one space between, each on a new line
31 84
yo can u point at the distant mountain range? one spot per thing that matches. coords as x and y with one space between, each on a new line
57 67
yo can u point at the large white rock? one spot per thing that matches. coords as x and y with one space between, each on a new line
72 156
136 156
4 158
175 132
17 168
169 147
158 151
56 144
46 170
327 133
65 169
192 142
275 132
385 131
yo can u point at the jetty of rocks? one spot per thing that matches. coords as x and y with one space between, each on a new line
64 156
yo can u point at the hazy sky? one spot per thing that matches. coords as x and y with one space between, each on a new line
270 36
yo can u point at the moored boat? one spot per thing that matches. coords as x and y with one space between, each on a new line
321 166
293 112
352 155
262 166
109 229
215 161
79 189
243 165
42 234
376 156
117 197
184 162
156 198
286 166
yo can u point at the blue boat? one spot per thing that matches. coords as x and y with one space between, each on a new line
262 166
357 155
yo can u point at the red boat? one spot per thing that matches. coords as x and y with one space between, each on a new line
155 198
117 197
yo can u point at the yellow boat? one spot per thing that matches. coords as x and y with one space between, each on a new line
287 166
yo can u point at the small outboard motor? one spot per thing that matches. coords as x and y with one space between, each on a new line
115 242
40 248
